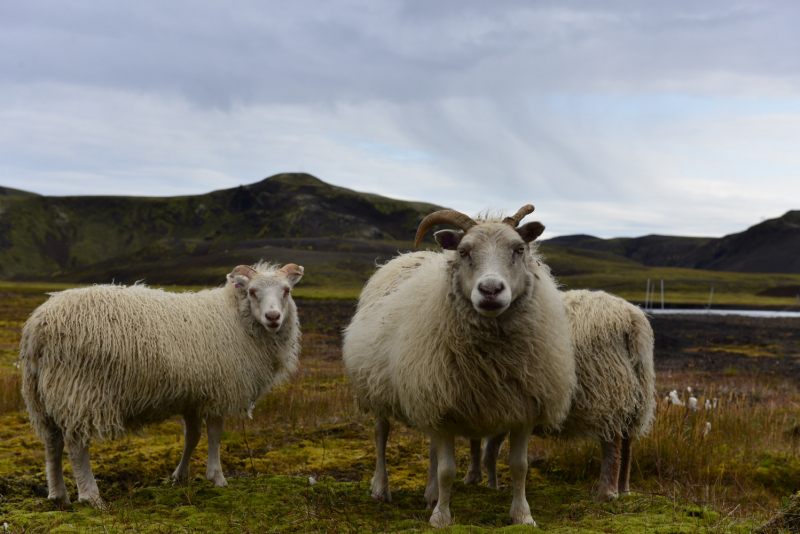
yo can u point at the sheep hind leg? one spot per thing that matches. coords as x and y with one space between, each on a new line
624 485
82 471
214 429
54 457
609 469
491 450
432 488
192 430
474 475
379 487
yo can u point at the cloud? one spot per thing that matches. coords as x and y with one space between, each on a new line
613 118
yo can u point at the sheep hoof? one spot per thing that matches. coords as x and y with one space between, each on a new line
473 478
219 482
380 492
61 498
178 480
92 499
526 520
440 519
382 495
430 505
607 496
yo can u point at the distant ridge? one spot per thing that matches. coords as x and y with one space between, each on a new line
772 246
61 235
11 192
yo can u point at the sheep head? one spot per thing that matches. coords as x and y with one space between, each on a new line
267 293
492 256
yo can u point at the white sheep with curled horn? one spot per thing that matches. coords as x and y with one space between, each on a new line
100 360
614 402
472 342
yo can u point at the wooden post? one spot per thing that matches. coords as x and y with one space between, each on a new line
662 293
647 294
711 296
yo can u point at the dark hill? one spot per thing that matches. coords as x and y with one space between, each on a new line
11 192
772 246
65 235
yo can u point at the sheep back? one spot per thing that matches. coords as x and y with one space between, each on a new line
613 347
417 351
99 360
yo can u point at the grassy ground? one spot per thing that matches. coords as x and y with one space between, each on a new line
686 479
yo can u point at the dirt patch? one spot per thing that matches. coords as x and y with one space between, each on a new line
727 344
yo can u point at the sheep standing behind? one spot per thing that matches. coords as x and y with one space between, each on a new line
101 360
615 398
470 342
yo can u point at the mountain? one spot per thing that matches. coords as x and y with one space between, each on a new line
772 246
61 237
11 192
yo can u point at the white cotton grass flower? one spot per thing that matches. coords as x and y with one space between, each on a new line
715 403
673 397
312 480
708 404
693 403
689 390
707 429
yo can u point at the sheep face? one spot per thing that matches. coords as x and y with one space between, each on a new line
492 263
267 293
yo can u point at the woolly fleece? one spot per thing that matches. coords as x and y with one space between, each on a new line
417 351
99 360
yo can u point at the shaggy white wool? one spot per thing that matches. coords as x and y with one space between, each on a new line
417 351
613 347
99 360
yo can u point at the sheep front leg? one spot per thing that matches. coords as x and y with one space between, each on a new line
446 473
192 429
432 488
54 458
82 471
518 462
379 487
491 450
214 469
609 469
474 475
624 484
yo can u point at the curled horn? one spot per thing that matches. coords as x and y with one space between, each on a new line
290 269
524 211
452 217
244 270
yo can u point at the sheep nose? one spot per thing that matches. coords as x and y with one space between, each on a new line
273 317
491 288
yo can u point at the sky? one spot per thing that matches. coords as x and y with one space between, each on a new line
613 118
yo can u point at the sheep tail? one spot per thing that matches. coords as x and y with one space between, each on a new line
640 348
30 348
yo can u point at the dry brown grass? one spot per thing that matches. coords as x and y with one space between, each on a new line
740 469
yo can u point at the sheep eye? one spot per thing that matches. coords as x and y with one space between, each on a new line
462 252
252 293
286 292
520 249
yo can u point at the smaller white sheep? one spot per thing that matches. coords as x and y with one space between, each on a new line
614 402
101 360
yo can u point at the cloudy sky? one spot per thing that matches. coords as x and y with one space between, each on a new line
613 118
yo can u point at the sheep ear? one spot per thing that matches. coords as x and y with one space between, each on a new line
292 272
241 275
448 239
529 232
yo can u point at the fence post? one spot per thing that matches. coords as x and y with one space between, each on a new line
647 294
662 293
710 297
